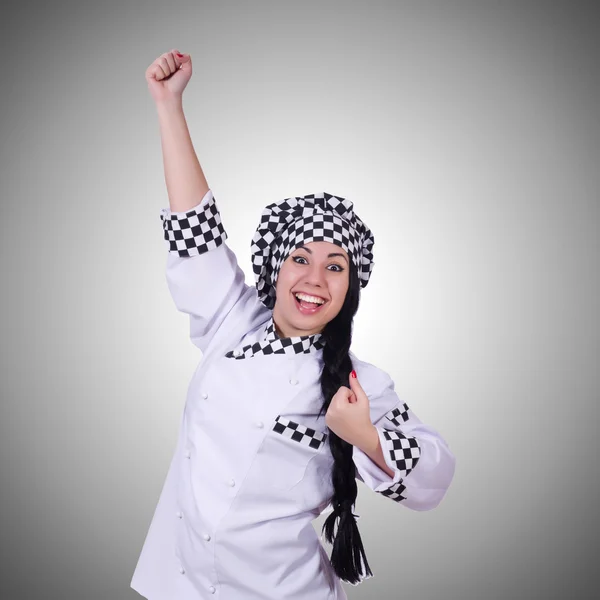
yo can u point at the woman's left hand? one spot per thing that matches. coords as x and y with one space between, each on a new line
349 416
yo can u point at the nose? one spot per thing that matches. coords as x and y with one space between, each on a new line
315 278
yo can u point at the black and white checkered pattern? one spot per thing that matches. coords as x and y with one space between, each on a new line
299 433
196 231
404 450
319 217
273 344
395 492
398 416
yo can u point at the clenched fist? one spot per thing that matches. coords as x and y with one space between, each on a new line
168 75
349 416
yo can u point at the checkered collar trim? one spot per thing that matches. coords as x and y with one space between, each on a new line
271 343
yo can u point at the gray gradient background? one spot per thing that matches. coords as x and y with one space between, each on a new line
466 133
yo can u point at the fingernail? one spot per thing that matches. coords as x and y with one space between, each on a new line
353 373
180 55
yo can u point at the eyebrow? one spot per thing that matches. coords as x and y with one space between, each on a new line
328 256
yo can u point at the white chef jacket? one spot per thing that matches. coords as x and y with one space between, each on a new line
252 466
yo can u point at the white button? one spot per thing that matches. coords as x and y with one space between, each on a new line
232 482
206 537
293 381
179 514
205 395
211 589
181 570
259 424
187 454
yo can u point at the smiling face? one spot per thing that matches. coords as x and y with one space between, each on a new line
310 269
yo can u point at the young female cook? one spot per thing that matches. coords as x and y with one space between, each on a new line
281 417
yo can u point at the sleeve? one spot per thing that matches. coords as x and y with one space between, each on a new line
422 462
202 272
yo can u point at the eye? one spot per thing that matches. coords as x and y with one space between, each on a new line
338 270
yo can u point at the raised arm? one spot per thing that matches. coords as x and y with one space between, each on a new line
167 78
203 275
185 180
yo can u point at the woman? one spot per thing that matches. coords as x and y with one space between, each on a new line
281 417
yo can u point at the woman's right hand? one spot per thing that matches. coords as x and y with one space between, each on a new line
168 75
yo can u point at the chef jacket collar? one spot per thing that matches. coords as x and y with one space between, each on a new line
271 343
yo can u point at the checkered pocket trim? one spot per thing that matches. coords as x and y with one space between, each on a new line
299 433
196 231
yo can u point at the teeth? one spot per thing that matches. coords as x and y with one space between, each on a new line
313 299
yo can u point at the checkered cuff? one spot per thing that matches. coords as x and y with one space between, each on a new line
195 231
400 451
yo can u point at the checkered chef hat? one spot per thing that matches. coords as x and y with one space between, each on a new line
319 217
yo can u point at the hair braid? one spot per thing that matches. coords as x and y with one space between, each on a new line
347 548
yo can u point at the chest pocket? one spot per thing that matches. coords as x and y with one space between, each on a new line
289 447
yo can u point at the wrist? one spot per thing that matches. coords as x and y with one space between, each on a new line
371 441
170 105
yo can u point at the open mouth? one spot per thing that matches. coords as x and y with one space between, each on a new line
307 308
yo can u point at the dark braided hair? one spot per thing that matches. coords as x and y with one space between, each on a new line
347 546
